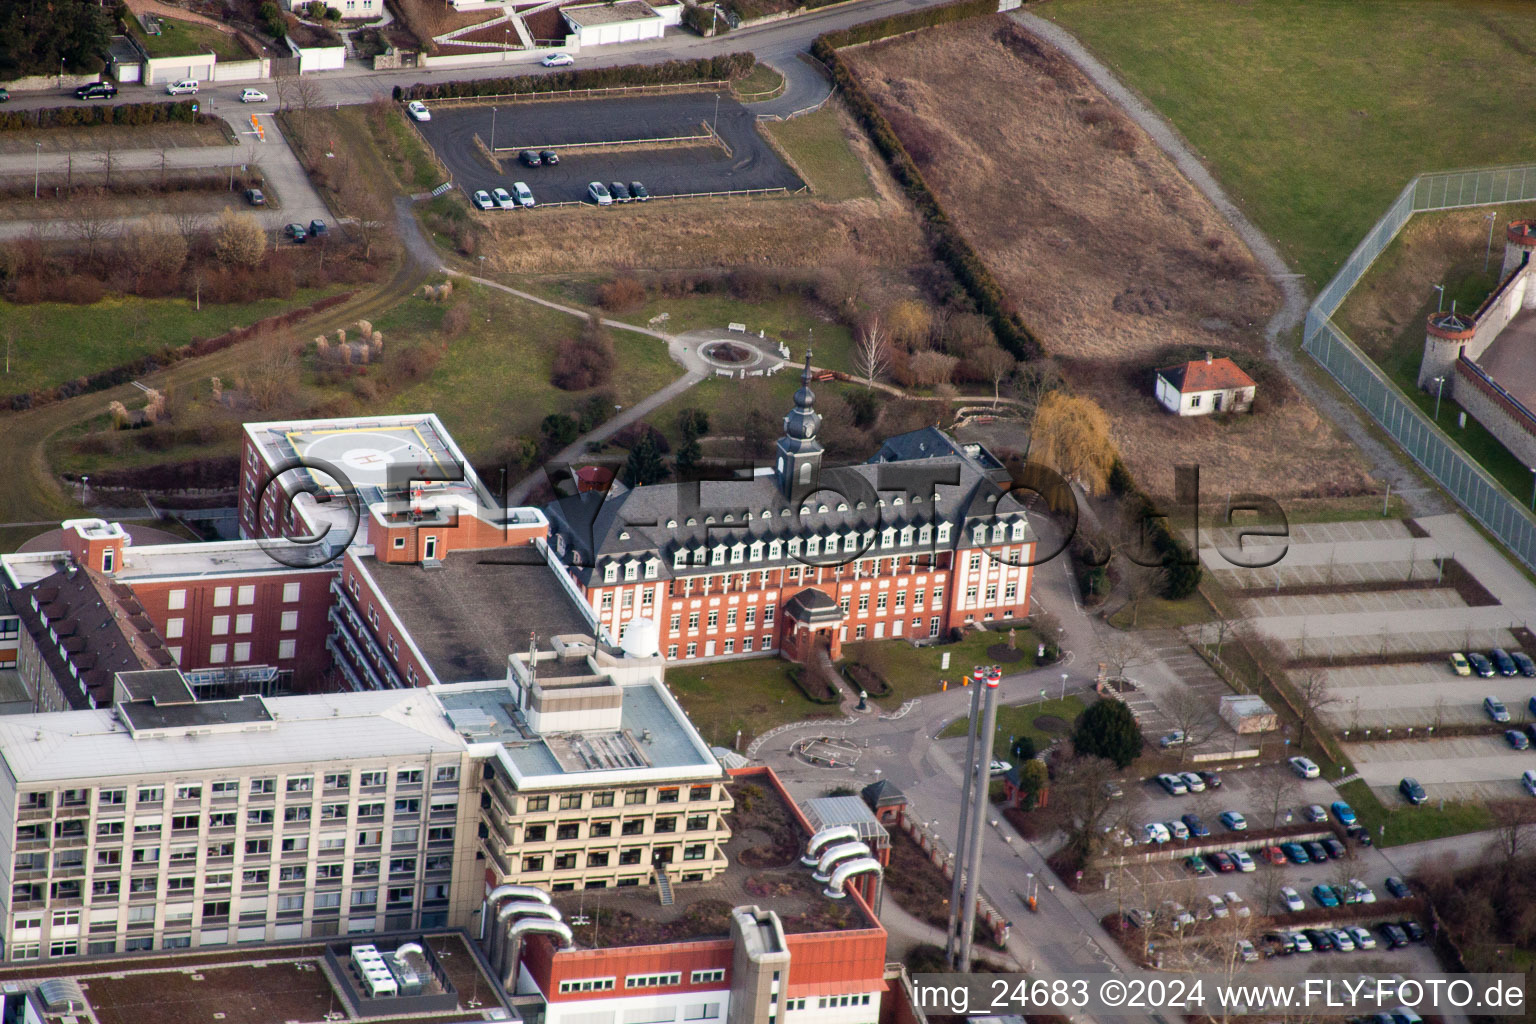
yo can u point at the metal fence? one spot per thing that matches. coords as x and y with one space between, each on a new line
1501 513
573 94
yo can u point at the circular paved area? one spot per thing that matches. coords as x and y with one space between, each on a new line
721 352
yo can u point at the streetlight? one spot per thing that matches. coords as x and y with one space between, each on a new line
1064 686
1439 387
1440 305
37 158
493 132
1533 488
1492 216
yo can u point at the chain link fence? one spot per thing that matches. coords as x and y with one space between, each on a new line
1500 512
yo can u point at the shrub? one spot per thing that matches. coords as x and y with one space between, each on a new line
238 239
622 294
584 362
455 321
558 430
726 67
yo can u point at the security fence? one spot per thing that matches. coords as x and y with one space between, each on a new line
1500 512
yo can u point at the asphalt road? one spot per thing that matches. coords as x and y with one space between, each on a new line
666 170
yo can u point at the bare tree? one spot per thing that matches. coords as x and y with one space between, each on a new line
272 373
933 368
306 96
155 246
1080 806
1313 696
1275 791
1141 582
1121 653
1513 827
108 151
370 216
1190 713
996 365
911 323
872 350
188 224
92 225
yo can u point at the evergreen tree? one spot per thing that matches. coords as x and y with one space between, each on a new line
1107 729
644 465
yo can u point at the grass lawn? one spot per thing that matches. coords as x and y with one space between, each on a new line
54 342
494 381
915 671
1158 613
789 318
753 696
762 83
1014 720
819 148
184 38
1337 102
1406 824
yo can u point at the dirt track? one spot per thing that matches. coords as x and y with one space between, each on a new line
1109 253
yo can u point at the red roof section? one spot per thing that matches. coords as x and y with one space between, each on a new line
1206 375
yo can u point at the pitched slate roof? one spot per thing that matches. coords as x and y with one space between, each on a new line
1206 375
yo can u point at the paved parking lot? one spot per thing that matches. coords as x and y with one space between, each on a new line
1413 696
1468 767
665 170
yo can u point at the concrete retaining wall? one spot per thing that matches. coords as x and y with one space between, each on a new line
49 83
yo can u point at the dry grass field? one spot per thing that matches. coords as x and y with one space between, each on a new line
688 234
1111 256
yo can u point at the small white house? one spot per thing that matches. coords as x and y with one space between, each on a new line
1201 387
625 22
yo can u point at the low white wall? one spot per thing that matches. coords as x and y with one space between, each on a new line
49 83
319 58
671 14
164 70
242 71
511 58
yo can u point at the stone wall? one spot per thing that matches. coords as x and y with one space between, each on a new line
1493 407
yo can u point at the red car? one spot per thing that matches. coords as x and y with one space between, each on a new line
1221 862
1274 855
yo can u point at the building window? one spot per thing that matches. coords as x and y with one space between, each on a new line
859 631
176 600
533 863
693 650
247 594
629 857
693 852
597 860
606 601
714 620
705 977
653 980
290 621
565 862
243 651
568 830
676 624
933 626
218 653
222 596
698 823
587 985
863 603
746 645
290 592
287 648
220 625
672 652
667 823
535 833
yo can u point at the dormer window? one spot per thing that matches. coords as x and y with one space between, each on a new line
692 521
812 546
768 513
925 534
757 551
680 558
623 535
979 534
887 537
896 500
671 524
610 573
906 535
775 550
998 533
630 570
821 508
708 520
805 510
1018 529
738 552
730 518
842 506
650 569
717 555
943 533
794 547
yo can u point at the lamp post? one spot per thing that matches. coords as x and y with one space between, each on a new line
493 131
1064 686
1439 388
1440 305
1492 217
37 159
1533 488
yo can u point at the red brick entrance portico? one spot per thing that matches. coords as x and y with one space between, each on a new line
813 619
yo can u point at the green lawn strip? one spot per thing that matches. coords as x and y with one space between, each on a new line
54 342
753 696
493 383
1014 720
762 79
1158 613
1407 824
788 318
819 148
916 672
185 38
1338 103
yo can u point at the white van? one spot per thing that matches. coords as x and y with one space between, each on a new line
186 85
1528 780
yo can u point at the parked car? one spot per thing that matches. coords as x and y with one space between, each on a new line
503 199
186 86
620 192
1291 899
1343 812
297 233
1343 941
96 91
1459 664
1303 943
252 96
1177 829
1413 929
1245 951
1175 914
558 60
1196 826
1324 895
418 111
1234 821
1359 834
1243 861
1215 906
1528 780
1156 832
1480 665
317 229
1173 739
530 158
1321 939
1172 784
1363 892
1412 791
1398 888
1274 855
997 769
1278 943
639 191
1221 862
1335 848
1524 663
1517 739
1193 780
1495 709
599 194
1196 864
524 196
1112 790
1395 937
549 156
1403 1015
483 201
1305 767
1315 851
1236 904
1502 661
1315 814
5 94
1295 854
255 197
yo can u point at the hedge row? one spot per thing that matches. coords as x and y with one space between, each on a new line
1182 574
134 114
672 72
125 372
949 245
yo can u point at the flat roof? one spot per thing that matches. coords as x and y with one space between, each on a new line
653 733
377 454
467 613
93 744
169 561
608 14
634 916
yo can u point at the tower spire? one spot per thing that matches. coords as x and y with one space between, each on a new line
799 457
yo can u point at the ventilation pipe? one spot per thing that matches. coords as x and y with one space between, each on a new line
489 930
410 947
835 856
516 910
827 835
515 933
835 888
